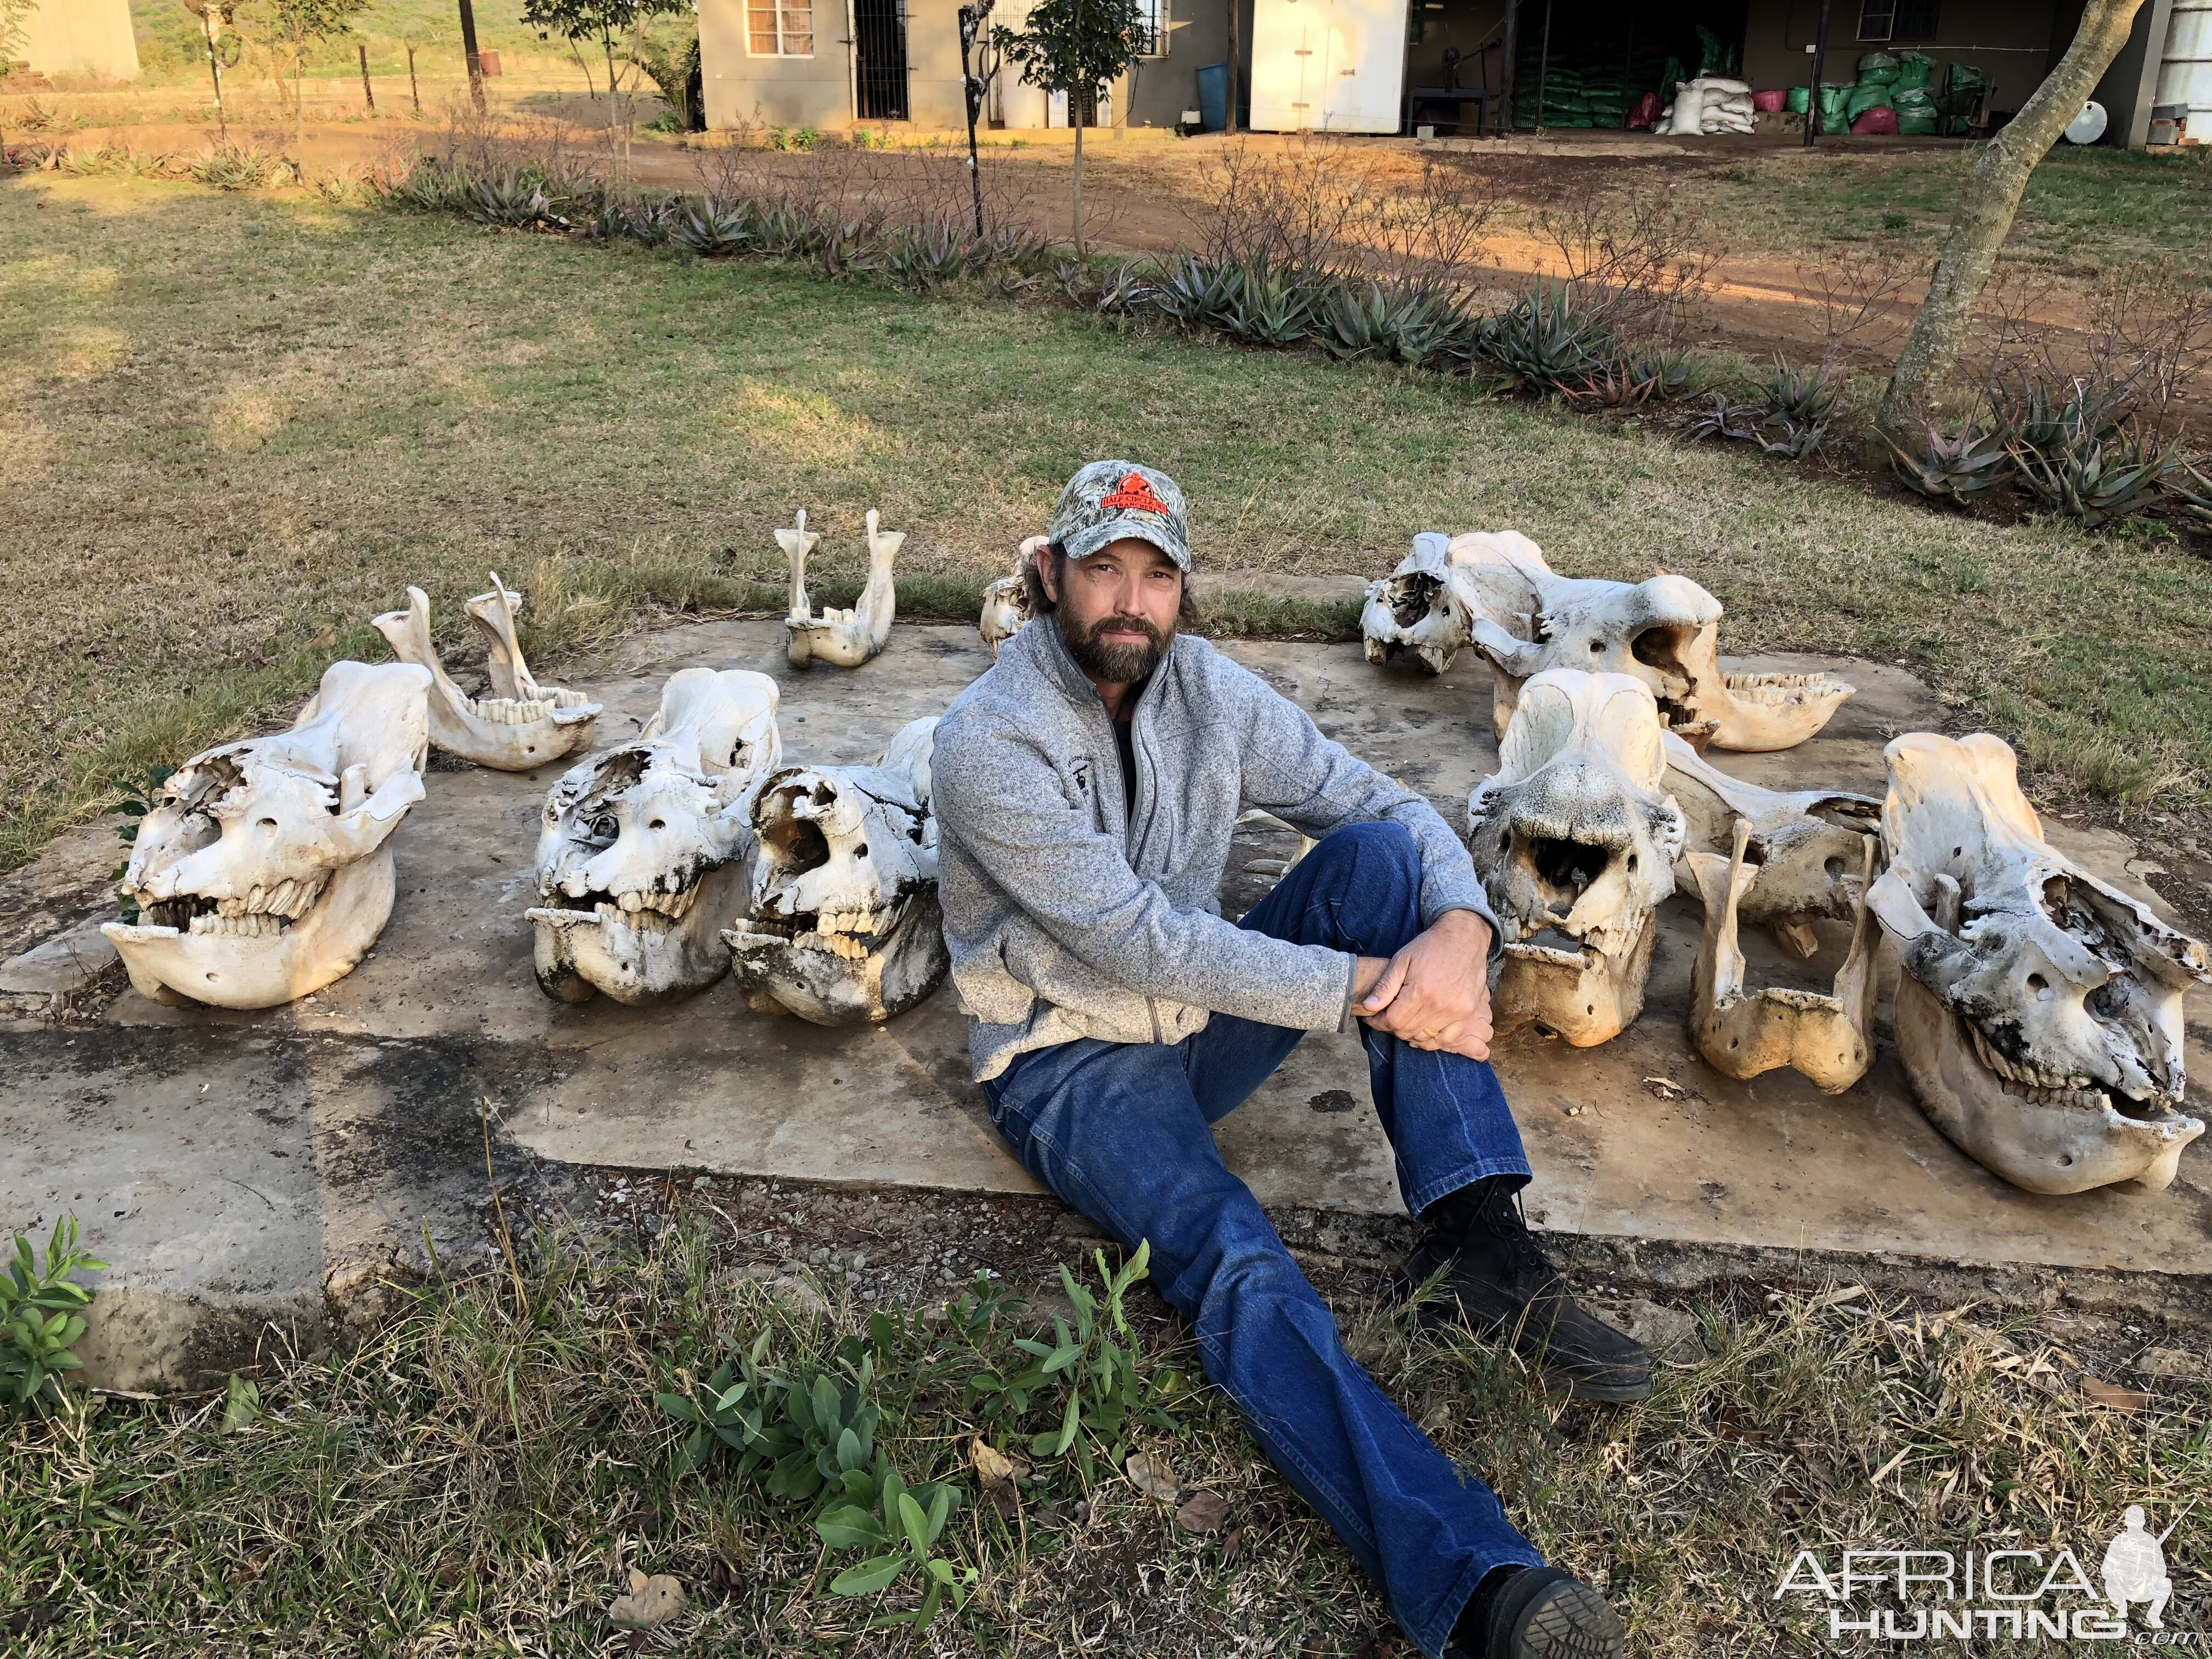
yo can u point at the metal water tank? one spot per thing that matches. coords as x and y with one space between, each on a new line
2185 71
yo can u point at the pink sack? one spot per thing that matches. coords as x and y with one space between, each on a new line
1646 112
1770 100
1881 120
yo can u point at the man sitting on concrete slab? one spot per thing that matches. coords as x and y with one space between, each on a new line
1086 789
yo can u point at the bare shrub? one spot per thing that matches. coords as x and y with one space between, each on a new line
1313 204
2150 328
1859 287
1631 257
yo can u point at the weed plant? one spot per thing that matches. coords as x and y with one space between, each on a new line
481 1474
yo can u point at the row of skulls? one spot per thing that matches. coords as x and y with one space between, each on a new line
265 872
2038 1014
2038 1010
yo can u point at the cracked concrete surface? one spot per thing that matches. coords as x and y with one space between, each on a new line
258 1177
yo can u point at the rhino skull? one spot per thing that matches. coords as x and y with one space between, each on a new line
641 861
1575 837
1826 1036
1006 601
263 872
1416 608
2039 1013
1665 631
844 920
1803 844
520 725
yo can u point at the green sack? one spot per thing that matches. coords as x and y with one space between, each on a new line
1964 77
1876 63
1912 101
1914 70
1920 125
1799 101
1864 98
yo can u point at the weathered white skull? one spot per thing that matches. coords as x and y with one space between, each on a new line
641 861
1665 631
1006 601
1827 1037
845 638
264 872
521 725
2040 1012
1804 844
1416 608
1574 838
844 923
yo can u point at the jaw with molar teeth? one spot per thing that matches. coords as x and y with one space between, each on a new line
518 724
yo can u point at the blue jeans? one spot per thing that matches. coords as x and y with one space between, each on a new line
1122 1132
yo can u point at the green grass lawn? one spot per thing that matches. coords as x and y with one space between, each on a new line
238 425
477 1478
2086 211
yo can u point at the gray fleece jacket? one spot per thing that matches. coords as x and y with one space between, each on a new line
1068 916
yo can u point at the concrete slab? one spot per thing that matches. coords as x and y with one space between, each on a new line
249 1166
66 962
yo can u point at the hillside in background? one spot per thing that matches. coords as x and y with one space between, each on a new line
170 46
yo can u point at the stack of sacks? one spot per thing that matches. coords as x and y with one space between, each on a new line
1878 72
1708 105
1912 95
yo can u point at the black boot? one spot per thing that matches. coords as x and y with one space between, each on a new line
1496 1278
1535 1613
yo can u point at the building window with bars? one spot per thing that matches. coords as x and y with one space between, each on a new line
1153 17
780 28
1898 20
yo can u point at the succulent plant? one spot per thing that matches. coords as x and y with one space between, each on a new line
1797 400
1960 469
1542 340
2095 479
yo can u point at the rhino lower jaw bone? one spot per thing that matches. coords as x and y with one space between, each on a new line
815 968
257 959
1585 997
521 725
2047 1141
640 949
1741 1034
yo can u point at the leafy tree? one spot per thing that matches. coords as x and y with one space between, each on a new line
1073 47
1987 204
291 29
606 21
671 62
15 33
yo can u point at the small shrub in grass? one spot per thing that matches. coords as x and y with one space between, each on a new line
41 1317
1541 340
1957 470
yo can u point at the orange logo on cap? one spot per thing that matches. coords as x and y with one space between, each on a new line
1136 493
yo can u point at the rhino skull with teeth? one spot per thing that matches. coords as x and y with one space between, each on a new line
843 923
1665 631
2040 1012
641 862
263 872
520 725
1417 608
1575 836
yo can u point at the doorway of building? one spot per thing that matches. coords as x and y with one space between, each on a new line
879 59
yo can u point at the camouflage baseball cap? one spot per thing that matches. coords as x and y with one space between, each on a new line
1107 501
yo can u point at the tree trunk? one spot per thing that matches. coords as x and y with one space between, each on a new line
215 73
368 91
1986 206
1075 111
299 106
1228 122
469 52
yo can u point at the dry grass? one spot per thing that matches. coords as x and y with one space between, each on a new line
477 1477
238 425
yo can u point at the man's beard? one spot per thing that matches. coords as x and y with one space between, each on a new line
1116 664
